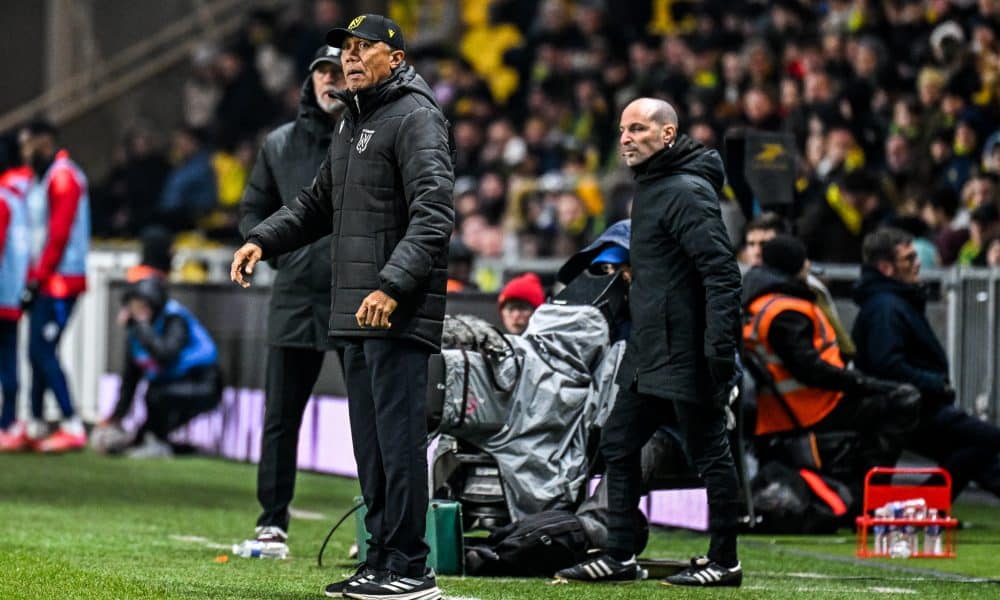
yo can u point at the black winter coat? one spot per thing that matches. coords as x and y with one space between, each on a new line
299 312
385 193
685 292
894 338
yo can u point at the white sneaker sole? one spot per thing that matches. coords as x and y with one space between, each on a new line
352 584
431 594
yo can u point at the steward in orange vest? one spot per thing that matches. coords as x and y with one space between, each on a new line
785 328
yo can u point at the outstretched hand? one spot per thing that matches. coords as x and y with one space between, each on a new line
243 263
375 310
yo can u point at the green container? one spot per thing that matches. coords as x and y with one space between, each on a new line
444 536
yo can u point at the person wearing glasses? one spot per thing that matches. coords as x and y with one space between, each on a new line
895 340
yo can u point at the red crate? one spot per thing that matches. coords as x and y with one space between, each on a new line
878 494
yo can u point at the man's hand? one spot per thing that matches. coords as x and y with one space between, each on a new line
243 262
124 316
375 310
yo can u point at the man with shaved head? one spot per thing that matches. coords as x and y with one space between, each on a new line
679 365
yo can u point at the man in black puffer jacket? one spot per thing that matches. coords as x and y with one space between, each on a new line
299 313
680 359
384 192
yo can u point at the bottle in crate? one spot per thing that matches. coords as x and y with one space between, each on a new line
881 534
933 543
899 544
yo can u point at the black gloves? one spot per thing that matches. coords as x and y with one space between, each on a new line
722 372
864 385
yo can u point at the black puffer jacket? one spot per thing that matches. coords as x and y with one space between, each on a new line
685 294
385 193
299 313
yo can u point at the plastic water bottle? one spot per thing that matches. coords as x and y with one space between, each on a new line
910 530
879 531
932 536
256 549
899 545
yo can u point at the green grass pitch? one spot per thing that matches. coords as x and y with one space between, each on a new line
85 526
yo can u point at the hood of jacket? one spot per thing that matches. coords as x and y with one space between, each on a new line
151 290
764 280
404 80
873 282
684 157
616 235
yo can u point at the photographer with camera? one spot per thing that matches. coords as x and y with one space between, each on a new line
171 350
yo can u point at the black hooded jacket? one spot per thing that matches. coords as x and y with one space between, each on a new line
385 193
299 313
894 338
685 292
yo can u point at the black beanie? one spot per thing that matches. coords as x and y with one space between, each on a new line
785 253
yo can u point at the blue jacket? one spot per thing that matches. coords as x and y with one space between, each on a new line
199 351
894 339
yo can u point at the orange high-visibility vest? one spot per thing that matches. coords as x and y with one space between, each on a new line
809 405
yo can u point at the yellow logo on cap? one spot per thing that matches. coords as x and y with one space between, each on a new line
392 33
357 21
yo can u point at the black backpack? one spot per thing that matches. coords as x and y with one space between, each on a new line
538 545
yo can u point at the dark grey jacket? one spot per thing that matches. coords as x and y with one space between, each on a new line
299 313
685 292
385 193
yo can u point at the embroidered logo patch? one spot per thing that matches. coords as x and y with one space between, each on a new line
366 136
357 21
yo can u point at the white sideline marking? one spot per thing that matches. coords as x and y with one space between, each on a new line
197 539
839 590
306 515
807 575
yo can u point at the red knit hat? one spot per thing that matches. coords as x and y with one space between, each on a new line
527 287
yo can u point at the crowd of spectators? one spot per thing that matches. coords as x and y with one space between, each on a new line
893 106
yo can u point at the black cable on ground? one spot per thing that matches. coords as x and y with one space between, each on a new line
319 557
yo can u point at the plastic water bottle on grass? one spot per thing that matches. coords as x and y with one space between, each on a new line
257 549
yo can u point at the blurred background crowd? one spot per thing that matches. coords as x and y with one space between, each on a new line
893 106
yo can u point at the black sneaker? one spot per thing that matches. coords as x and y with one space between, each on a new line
603 568
394 586
364 574
707 573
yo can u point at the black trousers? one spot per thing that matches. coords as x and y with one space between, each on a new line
703 428
291 375
883 421
171 404
959 442
387 397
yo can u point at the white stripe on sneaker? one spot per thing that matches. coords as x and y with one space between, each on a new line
590 570
602 568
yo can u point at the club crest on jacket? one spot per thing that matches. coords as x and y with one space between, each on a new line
366 136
